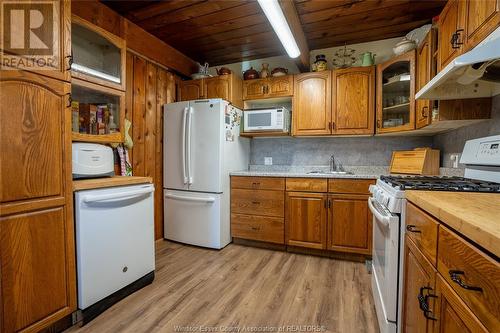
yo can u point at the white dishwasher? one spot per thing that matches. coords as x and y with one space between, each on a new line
114 244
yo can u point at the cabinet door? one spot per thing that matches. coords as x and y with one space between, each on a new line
38 274
481 18
423 75
312 110
305 219
418 273
280 86
59 60
217 87
191 90
450 22
254 89
453 315
353 100
396 94
349 224
32 119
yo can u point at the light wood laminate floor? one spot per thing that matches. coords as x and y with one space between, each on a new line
244 287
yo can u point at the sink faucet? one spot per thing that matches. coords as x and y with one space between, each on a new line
333 167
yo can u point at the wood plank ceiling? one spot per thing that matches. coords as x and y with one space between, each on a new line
227 31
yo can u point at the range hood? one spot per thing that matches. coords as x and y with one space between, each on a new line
472 75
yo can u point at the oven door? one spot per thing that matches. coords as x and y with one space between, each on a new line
386 229
260 120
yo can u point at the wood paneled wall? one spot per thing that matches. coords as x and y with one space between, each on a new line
148 88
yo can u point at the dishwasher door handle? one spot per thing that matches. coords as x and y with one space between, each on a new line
116 197
183 198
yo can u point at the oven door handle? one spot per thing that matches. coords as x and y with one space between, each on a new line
380 216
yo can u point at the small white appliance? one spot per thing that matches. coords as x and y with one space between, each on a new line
268 119
201 146
473 74
114 240
388 205
90 160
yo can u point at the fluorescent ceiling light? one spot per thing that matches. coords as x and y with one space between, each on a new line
278 21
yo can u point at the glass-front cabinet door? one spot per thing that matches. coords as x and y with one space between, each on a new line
97 55
395 94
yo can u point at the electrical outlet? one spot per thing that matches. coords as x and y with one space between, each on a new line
268 160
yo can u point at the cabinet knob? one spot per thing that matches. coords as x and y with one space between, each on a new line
413 228
424 113
70 61
70 100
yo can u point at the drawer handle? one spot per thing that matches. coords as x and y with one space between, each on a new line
255 184
455 277
256 228
423 301
256 202
413 228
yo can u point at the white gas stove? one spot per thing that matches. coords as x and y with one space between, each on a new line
388 205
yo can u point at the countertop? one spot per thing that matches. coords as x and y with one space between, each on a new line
302 174
474 215
88 184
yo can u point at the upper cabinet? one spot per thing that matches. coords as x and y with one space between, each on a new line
227 87
312 111
353 105
463 24
450 36
281 86
395 94
97 55
425 71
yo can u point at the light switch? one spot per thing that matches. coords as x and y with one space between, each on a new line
268 160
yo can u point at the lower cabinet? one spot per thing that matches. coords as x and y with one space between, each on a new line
349 224
314 213
419 281
38 283
305 219
459 293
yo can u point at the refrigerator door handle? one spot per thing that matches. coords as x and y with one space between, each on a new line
184 124
190 118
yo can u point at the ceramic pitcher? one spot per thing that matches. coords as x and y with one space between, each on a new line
367 59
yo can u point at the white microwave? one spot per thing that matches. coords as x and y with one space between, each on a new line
272 119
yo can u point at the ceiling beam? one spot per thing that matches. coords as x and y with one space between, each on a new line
290 12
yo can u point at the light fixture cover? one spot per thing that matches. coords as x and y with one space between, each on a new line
275 15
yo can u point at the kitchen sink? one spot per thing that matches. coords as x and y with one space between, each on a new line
318 172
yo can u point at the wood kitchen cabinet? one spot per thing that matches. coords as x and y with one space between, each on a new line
453 315
281 86
191 89
227 87
38 282
419 281
396 94
424 73
349 224
463 24
353 100
305 219
312 112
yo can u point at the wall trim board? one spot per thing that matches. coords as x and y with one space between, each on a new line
137 39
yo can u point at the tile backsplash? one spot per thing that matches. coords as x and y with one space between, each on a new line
352 151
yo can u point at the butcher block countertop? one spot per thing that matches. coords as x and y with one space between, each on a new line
88 184
474 215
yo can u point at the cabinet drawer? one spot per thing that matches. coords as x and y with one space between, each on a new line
423 230
261 228
357 186
467 268
306 184
258 183
261 202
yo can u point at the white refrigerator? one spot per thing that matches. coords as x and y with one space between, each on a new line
201 146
